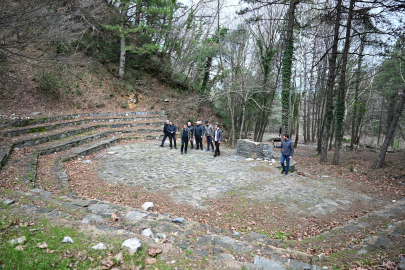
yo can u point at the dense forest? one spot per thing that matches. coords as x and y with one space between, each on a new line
334 68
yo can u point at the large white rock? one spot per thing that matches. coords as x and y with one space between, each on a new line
148 206
132 245
147 232
67 239
18 240
134 216
99 246
267 264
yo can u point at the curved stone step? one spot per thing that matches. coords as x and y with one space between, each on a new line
44 128
62 135
41 120
84 140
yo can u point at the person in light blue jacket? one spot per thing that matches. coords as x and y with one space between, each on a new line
287 152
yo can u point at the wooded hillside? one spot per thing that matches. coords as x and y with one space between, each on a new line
334 69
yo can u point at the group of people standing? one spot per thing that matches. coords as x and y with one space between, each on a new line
189 133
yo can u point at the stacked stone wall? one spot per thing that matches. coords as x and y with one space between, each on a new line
251 149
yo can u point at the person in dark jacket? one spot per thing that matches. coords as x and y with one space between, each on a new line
216 138
191 128
165 133
287 152
198 133
209 131
172 129
185 135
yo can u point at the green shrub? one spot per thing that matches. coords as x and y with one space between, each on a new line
48 82
351 168
344 140
61 48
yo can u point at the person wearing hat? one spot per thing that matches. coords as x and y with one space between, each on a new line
209 132
198 133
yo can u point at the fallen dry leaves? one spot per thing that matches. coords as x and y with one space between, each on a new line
154 251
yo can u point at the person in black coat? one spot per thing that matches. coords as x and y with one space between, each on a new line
198 133
165 133
216 138
191 128
172 129
185 135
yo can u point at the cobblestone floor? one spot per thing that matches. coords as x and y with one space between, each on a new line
194 177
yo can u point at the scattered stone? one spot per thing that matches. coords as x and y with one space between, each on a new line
223 256
19 247
236 234
56 213
17 241
99 246
401 265
67 239
256 236
35 113
294 264
147 233
87 161
249 159
160 237
225 242
92 218
166 100
134 216
98 207
201 252
82 203
321 256
111 153
8 202
267 264
148 206
178 220
42 210
251 266
241 248
132 245
383 242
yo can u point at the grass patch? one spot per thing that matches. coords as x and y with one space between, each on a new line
58 255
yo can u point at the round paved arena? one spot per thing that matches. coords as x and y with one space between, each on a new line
198 176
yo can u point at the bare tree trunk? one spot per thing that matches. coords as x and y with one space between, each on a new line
380 124
331 82
340 107
121 71
287 68
390 135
